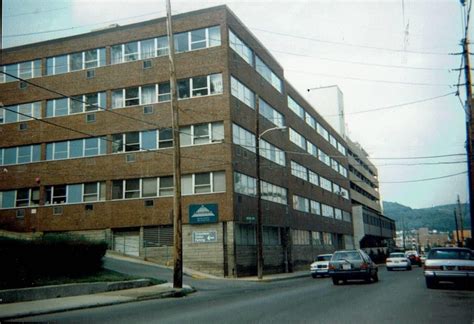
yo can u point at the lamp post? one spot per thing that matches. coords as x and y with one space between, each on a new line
259 194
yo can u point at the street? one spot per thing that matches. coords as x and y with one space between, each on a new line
399 297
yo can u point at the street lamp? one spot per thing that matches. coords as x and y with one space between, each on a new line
259 196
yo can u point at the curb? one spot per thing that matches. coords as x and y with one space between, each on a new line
96 300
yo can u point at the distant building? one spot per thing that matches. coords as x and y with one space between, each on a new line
461 235
329 103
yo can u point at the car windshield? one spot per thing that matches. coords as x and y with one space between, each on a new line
323 258
451 254
397 255
349 256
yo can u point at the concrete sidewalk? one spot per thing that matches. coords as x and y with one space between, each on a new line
46 306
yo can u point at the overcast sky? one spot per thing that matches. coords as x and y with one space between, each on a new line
359 45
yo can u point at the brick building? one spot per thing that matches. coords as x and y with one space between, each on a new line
94 155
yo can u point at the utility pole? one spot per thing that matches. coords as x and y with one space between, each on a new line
469 146
259 194
177 216
461 222
457 228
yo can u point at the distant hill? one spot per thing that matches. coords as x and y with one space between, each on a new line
440 218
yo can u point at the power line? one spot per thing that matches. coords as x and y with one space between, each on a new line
373 80
76 27
363 63
394 106
35 12
347 44
426 179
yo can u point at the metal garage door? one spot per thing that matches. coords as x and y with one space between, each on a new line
127 243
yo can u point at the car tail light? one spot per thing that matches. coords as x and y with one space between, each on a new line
364 266
389 260
331 267
468 268
432 267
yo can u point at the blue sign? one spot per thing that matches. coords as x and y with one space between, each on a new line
203 214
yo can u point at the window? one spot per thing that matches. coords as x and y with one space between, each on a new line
93 191
242 93
272 153
327 238
273 193
164 92
313 178
56 194
150 187
200 86
315 207
148 94
322 131
20 154
132 97
297 139
24 70
76 148
299 171
75 104
325 184
271 235
18 113
337 213
128 142
300 237
327 211
323 157
243 137
130 52
147 48
268 74
270 113
333 141
197 39
316 238
310 120
162 46
203 183
335 165
245 234
166 186
240 48
27 197
132 188
300 204
165 138
245 184
296 108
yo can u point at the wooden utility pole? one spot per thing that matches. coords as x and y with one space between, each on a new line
461 222
177 216
469 128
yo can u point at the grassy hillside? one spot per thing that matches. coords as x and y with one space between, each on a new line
440 218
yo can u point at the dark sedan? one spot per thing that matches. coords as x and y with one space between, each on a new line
352 265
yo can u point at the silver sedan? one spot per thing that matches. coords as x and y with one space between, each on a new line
449 264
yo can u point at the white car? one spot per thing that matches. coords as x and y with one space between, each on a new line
321 265
398 260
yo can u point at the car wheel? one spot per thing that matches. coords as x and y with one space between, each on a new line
314 275
409 268
389 269
335 281
367 279
430 283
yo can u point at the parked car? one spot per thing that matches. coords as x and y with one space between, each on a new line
414 257
352 264
398 260
320 266
423 258
451 264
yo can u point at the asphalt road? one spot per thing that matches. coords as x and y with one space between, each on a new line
399 297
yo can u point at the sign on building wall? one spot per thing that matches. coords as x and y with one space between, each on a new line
203 213
205 237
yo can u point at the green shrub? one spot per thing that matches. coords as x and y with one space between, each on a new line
24 262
